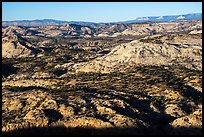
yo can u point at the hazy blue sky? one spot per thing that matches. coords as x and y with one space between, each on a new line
94 11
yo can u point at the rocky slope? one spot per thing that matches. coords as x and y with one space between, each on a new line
14 46
66 80
160 100
109 30
33 40
184 49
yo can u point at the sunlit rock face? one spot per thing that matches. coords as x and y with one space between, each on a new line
185 49
14 46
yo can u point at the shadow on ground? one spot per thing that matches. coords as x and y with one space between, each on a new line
8 69
111 131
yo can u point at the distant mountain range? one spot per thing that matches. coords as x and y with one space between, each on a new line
194 16
45 22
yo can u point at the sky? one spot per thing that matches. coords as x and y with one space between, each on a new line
94 11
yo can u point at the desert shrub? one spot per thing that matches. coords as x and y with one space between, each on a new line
158 42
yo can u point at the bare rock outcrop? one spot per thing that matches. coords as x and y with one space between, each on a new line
154 50
14 46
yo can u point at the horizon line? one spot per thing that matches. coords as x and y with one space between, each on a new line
93 21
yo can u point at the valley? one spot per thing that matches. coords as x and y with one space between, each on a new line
106 79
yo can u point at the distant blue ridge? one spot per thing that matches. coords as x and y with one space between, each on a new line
192 16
